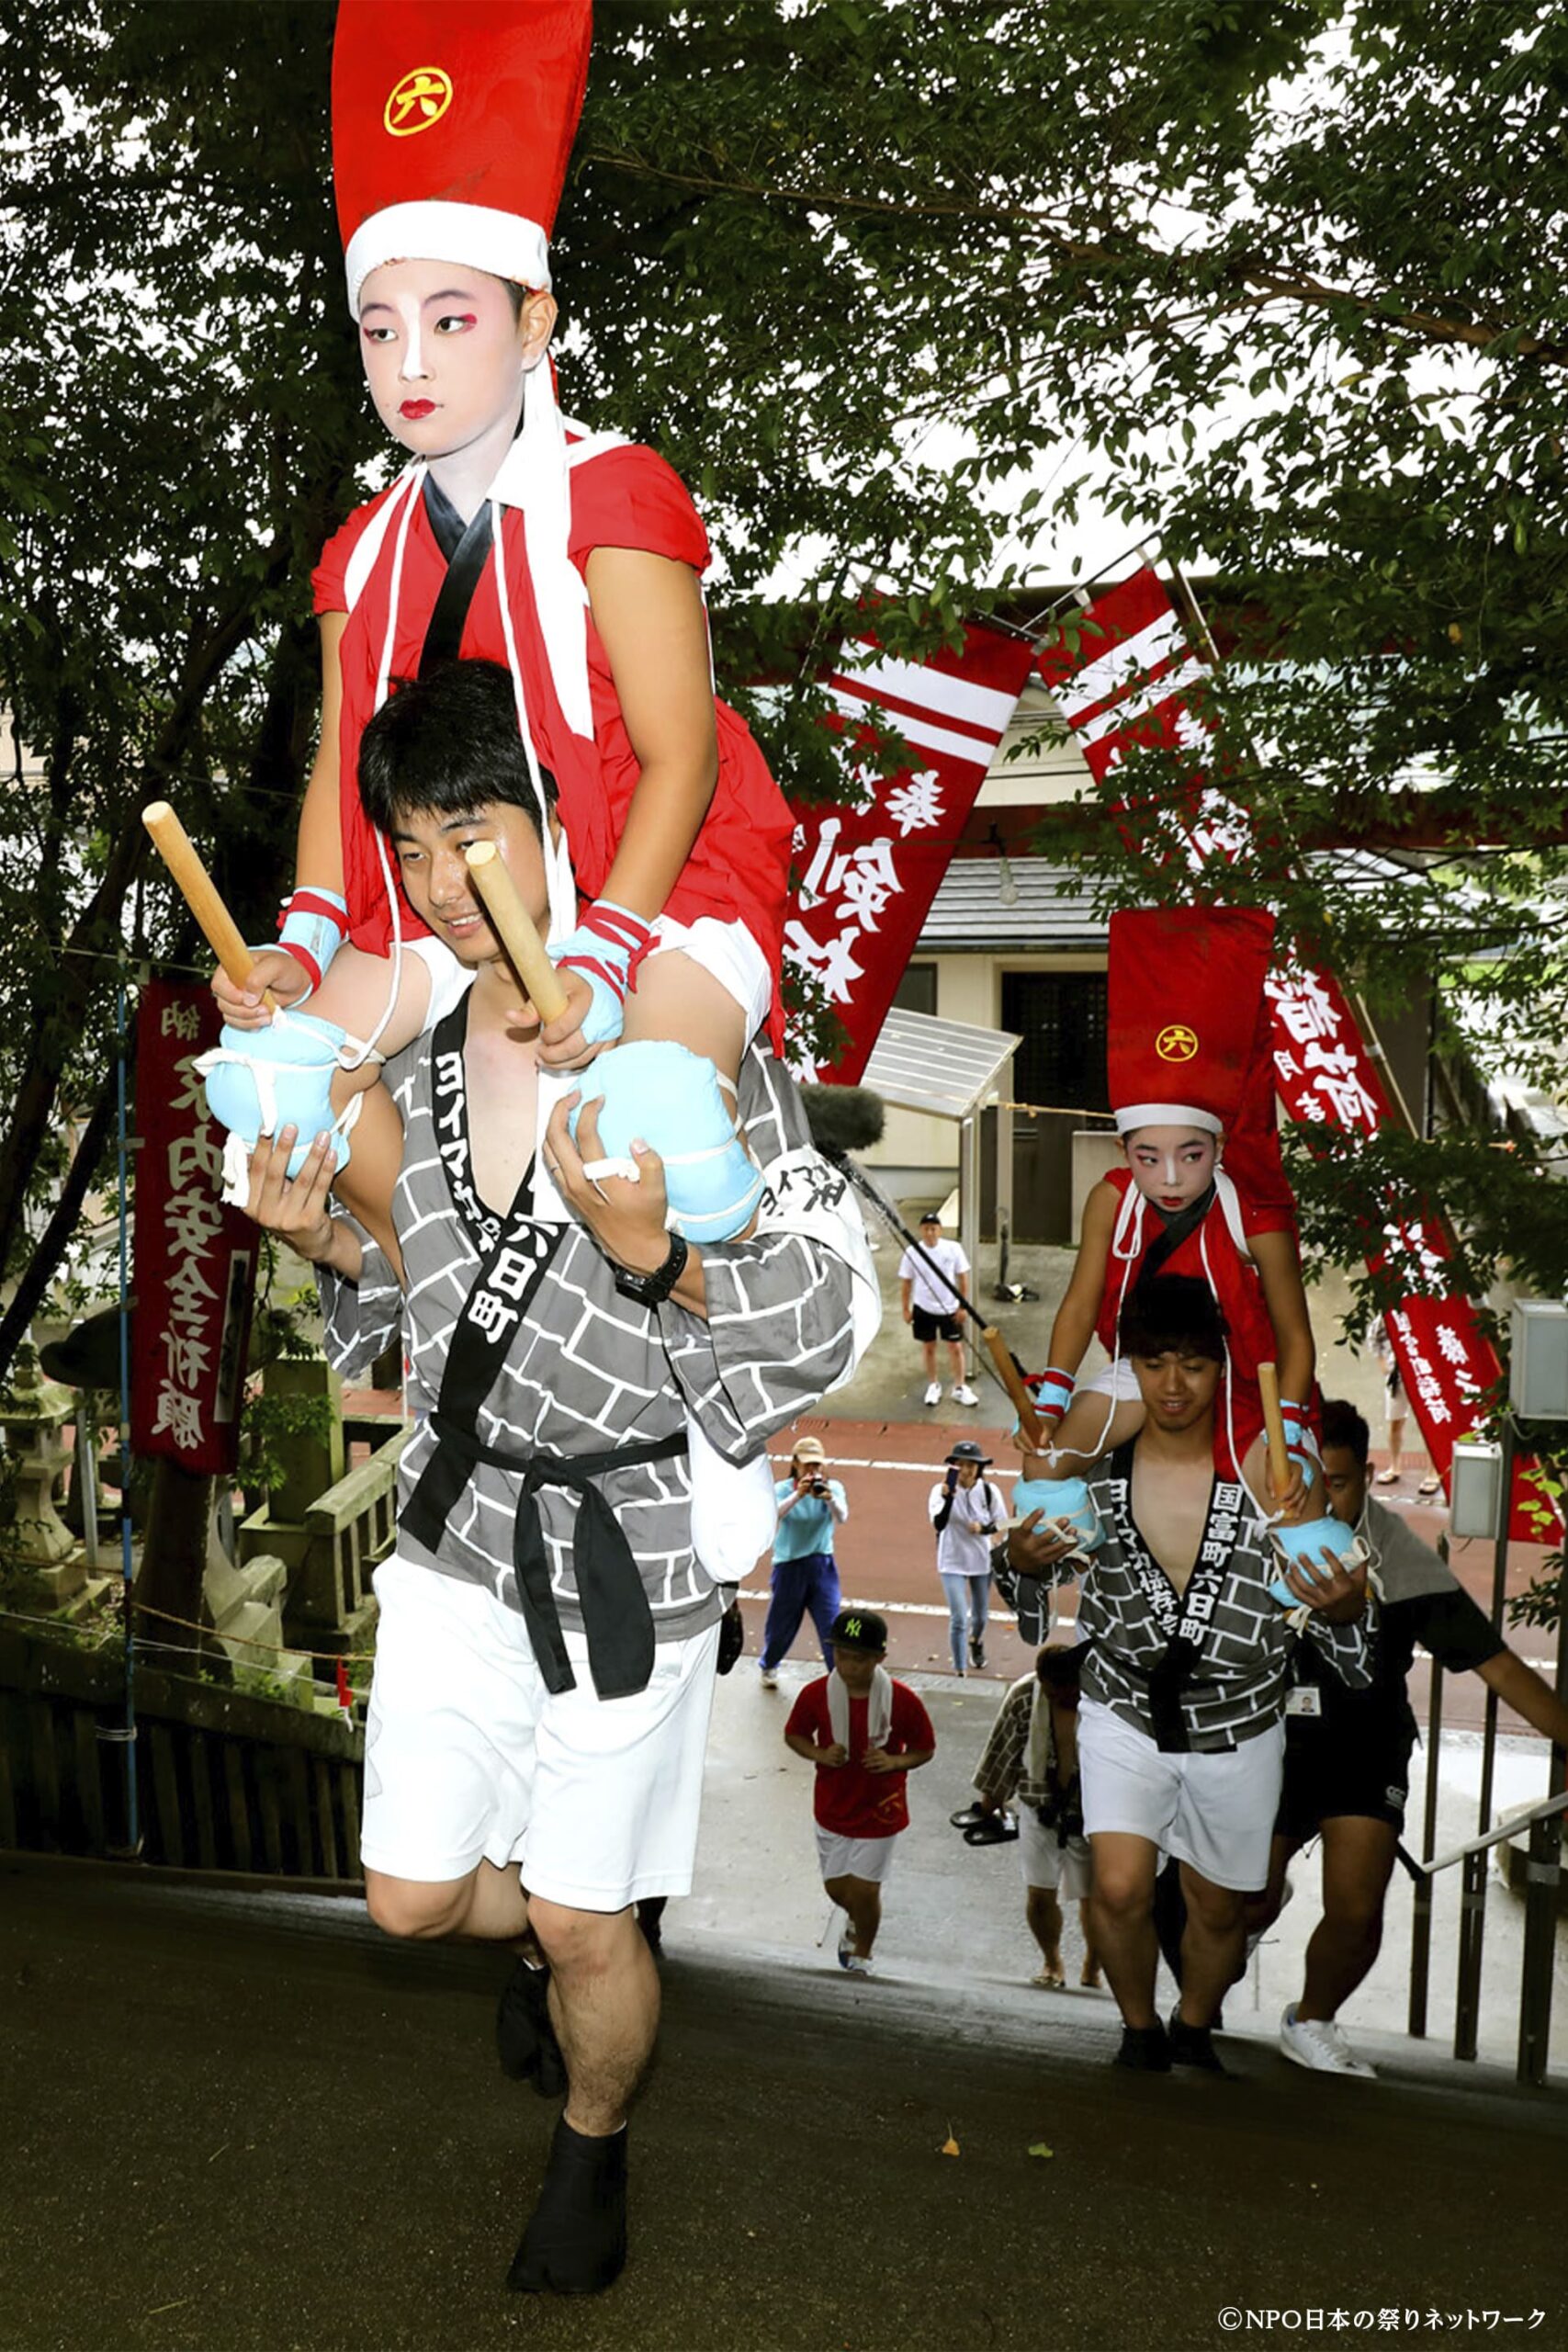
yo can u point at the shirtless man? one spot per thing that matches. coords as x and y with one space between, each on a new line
1181 1732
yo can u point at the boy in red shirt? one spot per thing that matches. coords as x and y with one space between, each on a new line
865 1733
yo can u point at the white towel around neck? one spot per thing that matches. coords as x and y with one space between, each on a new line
879 1712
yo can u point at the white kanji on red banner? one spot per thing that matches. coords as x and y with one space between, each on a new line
1125 684
867 874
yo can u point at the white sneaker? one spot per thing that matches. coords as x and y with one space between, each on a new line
768 1679
1318 2044
857 1966
933 1394
964 1396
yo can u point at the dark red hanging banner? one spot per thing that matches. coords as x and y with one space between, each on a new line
868 872
194 1259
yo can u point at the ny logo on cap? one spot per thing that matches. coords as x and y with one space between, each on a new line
852 1627
1177 1044
421 98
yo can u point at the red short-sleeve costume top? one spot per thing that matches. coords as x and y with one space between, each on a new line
1210 1253
848 1799
622 496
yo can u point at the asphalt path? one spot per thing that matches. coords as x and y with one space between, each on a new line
237 2123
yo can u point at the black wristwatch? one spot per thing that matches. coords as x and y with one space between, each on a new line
652 1290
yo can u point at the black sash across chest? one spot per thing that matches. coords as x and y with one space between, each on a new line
1184 1620
514 1253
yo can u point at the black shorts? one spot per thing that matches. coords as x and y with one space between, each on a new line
1333 1768
927 1326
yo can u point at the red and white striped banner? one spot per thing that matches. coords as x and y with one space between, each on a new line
868 872
1126 684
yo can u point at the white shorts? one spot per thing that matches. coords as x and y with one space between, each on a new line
1215 1813
855 1857
1117 1379
1067 1870
727 950
469 1758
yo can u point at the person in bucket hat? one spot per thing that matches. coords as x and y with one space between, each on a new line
968 1514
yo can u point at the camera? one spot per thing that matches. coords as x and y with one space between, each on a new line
818 1486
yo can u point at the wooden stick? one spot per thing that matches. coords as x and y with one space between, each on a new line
218 928
1273 1421
1030 1428
513 926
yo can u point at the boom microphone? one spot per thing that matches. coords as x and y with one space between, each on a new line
843 1119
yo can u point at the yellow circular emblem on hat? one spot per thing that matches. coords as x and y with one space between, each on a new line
1177 1044
420 99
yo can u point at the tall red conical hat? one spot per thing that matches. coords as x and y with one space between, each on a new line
1185 995
452 128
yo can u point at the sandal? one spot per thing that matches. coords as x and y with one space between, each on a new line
995 1829
1050 1980
1431 1485
967 1818
1388 1477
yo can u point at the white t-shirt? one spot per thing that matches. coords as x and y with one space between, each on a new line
963 1546
934 1296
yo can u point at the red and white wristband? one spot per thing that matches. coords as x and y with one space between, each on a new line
607 947
311 928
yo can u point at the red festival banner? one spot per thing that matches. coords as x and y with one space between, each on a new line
196 1259
868 872
1126 684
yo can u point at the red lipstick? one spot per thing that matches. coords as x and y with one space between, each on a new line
414 409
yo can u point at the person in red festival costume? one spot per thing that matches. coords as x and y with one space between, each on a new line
574 558
1203 1192
865 1733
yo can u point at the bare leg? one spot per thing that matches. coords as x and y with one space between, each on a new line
604 2004
1089 1973
955 1362
1358 1861
487 1906
678 1000
1043 1914
927 1349
1121 1908
1091 1425
1215 1938
861 1899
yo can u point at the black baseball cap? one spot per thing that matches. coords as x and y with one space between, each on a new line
859 1629
930 1217
967 1451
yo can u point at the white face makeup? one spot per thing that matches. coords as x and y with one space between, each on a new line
445 357
1171 1166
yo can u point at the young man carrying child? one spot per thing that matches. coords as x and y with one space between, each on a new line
865 1732
1187 1661
547 1635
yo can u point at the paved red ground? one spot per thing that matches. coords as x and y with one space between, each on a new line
887 1557
887 1554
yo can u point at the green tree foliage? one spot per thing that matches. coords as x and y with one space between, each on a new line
899 287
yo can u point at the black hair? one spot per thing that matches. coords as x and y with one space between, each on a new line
1342 1425
1173 1313
1060 1665
448 743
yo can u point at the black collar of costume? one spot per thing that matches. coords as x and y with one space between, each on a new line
449 1086
464 567
1179 1224
1184 1619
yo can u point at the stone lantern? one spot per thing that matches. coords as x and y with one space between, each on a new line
33 1413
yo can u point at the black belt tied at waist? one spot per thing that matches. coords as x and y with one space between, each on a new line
617 1618
1167 1684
